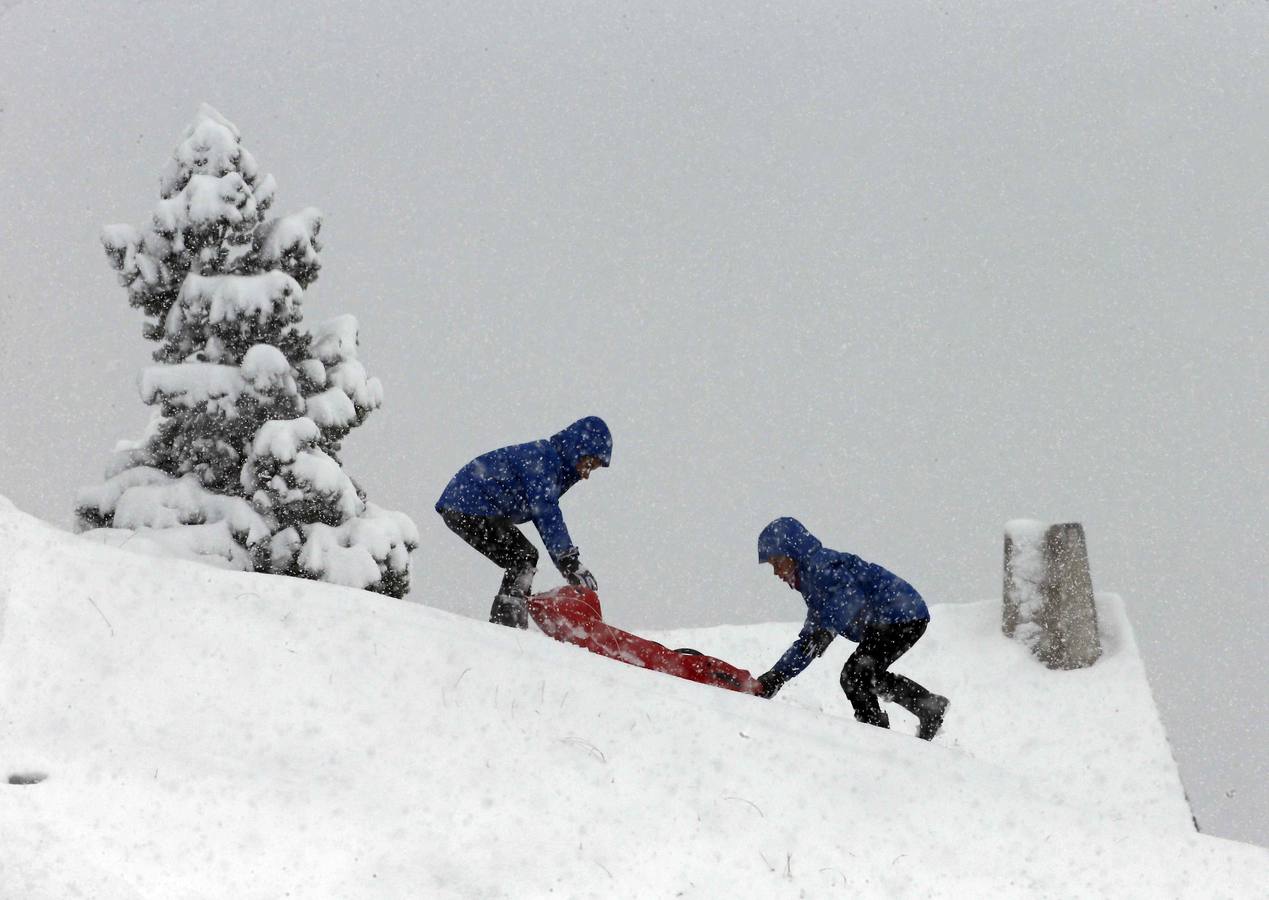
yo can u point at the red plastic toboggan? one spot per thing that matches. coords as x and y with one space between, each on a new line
573 615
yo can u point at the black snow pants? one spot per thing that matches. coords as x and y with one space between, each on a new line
500 540
865 677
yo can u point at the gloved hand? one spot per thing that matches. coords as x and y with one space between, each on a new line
771 683
570 566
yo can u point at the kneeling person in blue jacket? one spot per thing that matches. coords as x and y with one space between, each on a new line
861 601
503 488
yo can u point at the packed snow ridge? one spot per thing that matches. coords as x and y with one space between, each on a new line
172 729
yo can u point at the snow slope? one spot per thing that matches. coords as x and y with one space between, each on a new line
214 734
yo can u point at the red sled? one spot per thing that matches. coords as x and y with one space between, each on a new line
573 615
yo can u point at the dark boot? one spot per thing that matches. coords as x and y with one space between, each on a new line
930 711
510 607
509 610
870 716
857 684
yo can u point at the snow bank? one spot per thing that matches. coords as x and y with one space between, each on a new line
215 734
1090 737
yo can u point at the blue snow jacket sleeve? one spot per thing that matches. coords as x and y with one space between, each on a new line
545 513
844 594
524 482
810 643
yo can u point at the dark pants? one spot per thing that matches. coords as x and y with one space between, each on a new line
865 676
500 540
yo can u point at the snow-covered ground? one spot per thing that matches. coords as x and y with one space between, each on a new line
214 734
902 270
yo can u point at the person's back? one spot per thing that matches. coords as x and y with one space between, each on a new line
501 482
851 593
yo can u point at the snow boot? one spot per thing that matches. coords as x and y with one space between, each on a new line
881 718
510 610
930 711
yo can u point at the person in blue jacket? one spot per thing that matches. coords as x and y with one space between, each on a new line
503 488
862 602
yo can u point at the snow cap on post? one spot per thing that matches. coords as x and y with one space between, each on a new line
1049 603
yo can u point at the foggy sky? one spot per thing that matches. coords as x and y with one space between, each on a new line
905 271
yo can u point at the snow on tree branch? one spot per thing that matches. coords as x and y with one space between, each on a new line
240 461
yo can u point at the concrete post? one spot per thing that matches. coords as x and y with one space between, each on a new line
1048 593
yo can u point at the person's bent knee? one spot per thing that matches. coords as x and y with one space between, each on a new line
451 520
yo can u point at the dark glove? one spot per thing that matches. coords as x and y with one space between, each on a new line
771 683
570 566
819 640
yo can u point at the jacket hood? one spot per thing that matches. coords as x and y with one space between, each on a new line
786 537
585 437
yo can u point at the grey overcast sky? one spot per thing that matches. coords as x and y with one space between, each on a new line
903 270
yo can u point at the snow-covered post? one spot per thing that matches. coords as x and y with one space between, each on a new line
240 464
1048 593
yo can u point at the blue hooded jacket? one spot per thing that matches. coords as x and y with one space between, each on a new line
524 482
843 593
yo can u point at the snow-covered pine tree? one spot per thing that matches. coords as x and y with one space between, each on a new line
240 463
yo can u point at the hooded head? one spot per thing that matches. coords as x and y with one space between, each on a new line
786 537
585 437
